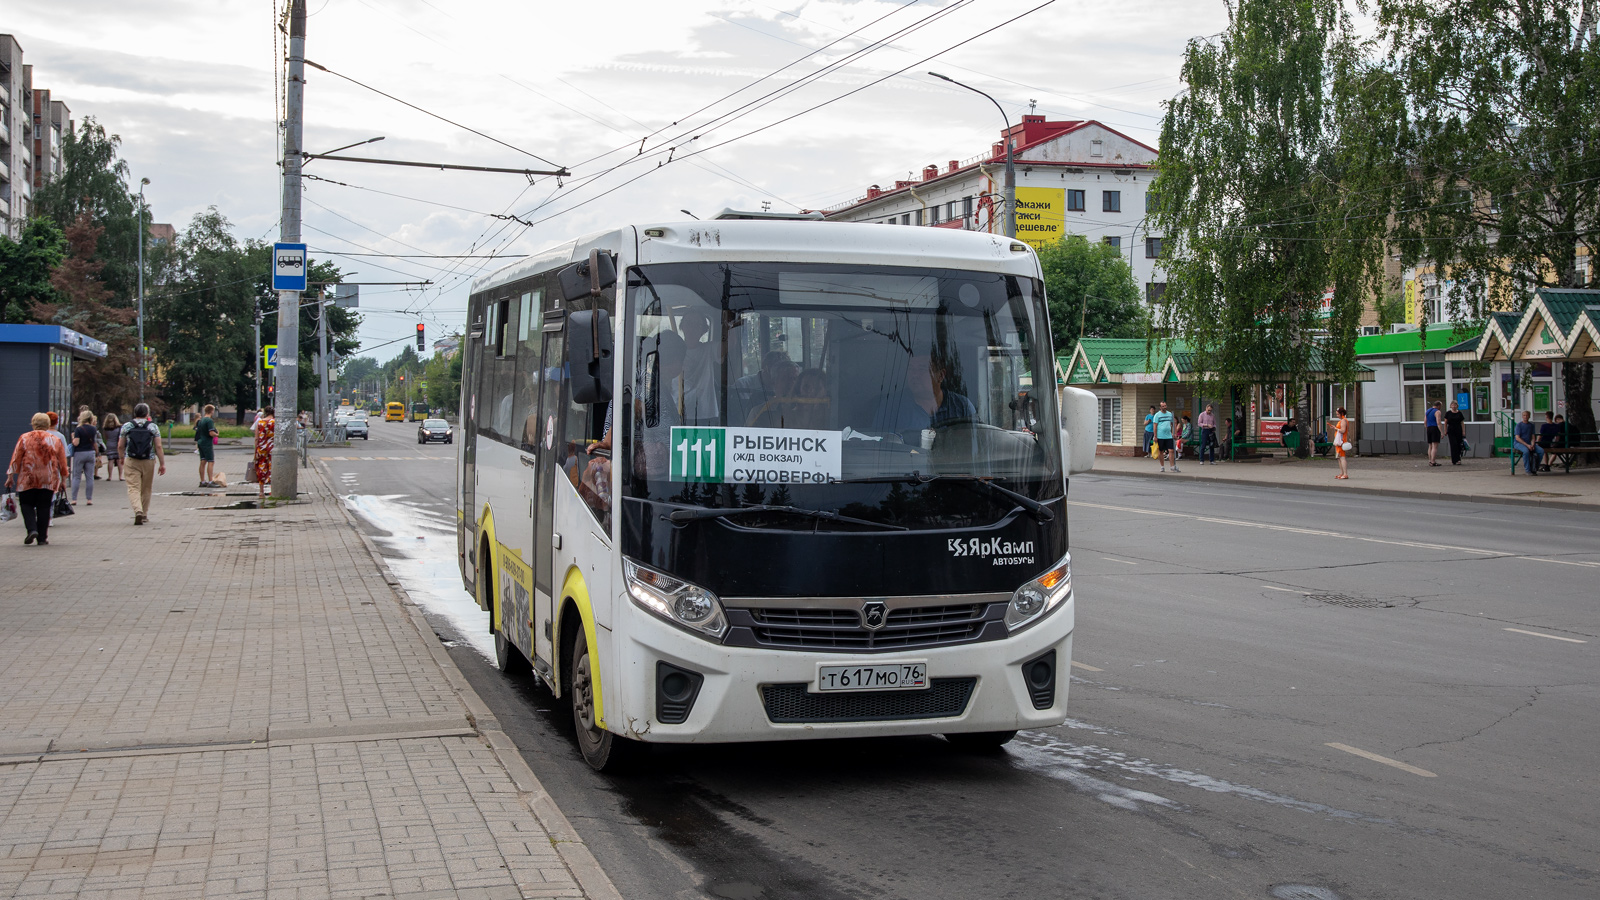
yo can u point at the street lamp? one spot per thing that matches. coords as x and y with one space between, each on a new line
1011 171
142 183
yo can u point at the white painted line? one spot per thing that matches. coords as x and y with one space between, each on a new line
1085 666
1564 562
1553 637
1287 590
1125 562
1364 754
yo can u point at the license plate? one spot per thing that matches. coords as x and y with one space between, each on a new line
887 676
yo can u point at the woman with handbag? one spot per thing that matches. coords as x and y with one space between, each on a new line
261 464
38 470
113 453
1341 444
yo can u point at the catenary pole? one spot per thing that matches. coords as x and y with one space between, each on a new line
286 373
324 400
142 233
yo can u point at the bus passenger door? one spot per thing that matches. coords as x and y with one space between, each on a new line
552 399
467 445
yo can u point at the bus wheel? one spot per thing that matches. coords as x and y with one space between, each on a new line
602 750
980 741
507 657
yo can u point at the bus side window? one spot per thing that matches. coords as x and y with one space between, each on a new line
500 372
590 474
525 396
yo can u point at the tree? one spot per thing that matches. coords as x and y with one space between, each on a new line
94 181
1268 191
1091 292
81 302
204 316
1502 151
443 375
25 267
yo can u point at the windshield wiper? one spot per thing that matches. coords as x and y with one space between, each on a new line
1038 510
696 514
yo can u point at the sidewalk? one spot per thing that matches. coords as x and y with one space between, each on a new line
169 728
1478 480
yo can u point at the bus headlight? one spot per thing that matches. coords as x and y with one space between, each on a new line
679 602
1033 600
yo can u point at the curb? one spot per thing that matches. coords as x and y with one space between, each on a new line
1350 489
585 869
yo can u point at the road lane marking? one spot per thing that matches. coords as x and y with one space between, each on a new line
1123 561
1553 637
1365 754
1313 532
1564 562
1287 590
1085 666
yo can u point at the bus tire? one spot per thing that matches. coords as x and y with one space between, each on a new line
601 749
980 741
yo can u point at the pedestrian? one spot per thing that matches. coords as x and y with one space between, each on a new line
1185 437
1548 433
112 426
1163 422
1341 443
85 438
1149 430
1433 432
1208 434
139 444
261 463
205 441
1455 429
38 469
1523 439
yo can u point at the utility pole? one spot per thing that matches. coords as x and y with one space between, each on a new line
286 374
255 372
1011 169
322 356
142 233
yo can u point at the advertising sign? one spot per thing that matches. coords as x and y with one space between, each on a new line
1271 431
754 455
289 267
1040 215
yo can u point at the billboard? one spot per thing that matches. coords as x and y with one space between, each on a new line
1041 213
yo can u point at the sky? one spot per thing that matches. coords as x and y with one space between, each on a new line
193 87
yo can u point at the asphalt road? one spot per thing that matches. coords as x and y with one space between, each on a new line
1277 693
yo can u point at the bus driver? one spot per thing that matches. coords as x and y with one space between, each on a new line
923 402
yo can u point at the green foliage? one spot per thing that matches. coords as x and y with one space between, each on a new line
110 383
94 181
443 374
201 319
1269 192
25 267
1091 290
1502 129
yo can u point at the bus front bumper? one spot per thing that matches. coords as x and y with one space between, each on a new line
743 690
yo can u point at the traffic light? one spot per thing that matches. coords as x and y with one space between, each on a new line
419 337
402 379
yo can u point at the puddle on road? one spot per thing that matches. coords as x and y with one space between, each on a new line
421 552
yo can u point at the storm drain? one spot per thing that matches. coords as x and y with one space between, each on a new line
1351 602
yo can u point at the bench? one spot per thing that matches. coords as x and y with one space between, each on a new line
1574 444
1253 445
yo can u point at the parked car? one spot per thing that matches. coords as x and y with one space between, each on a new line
435 430
356 426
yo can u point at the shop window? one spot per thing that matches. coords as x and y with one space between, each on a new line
1425 385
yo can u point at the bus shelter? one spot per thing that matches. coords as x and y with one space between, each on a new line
1560 326
36 369
1128 376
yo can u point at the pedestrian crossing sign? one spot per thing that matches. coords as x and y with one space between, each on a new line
269 356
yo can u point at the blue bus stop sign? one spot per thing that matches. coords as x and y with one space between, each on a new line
289 267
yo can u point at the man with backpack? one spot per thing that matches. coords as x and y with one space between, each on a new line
140 446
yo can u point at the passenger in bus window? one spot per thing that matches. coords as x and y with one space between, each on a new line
923 402
810 406
752 397
656 407
702 369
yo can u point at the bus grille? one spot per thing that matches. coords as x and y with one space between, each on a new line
944 698
840 629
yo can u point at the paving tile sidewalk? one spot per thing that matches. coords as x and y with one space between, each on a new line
1479 480
239 703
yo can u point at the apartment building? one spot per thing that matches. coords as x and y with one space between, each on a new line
16 136
1073 177
52 121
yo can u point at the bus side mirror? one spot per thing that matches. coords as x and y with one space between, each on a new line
589 355
1080 416
588 278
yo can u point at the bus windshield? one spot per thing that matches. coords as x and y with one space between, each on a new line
846 388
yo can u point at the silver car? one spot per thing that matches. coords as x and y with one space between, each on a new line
356 426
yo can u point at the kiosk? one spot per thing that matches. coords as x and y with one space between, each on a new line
36 372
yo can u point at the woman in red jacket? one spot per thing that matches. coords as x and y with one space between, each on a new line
38 469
